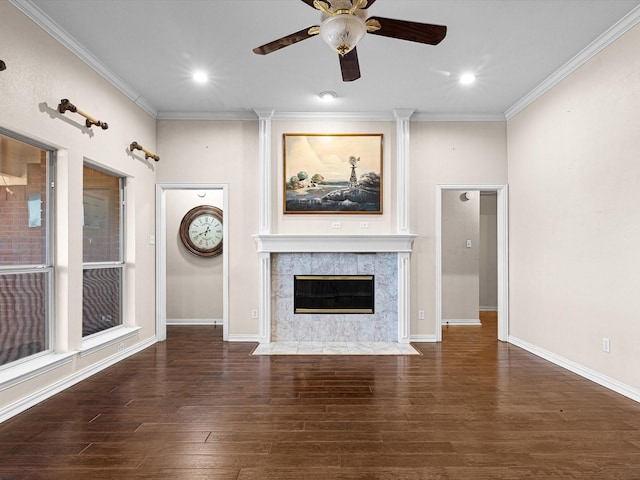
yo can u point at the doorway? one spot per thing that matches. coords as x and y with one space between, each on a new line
173 201
501 192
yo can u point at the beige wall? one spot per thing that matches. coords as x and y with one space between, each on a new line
471 153
40 72
194 284
227 152
224 153
489 252
574 173
321 223
460 262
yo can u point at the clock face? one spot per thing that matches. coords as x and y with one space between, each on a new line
201 231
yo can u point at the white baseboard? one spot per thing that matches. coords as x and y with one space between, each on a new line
422 339
49 391
461 321
603 380
488 309
194 321
240 337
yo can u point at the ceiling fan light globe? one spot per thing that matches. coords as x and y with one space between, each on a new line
342 32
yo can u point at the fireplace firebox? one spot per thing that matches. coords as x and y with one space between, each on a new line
334 294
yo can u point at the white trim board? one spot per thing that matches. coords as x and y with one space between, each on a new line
503 254
422 339
243 337
603 380
195 321
461 321
161 253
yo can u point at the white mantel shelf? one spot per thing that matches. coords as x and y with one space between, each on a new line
296 243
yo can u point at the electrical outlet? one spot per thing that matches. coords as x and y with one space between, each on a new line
336 225
120 347
364 224
254 313
420 314
606 345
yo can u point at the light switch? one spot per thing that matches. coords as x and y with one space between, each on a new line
468 243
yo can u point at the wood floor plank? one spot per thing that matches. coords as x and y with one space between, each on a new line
197 408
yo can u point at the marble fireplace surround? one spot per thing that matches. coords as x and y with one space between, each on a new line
283 255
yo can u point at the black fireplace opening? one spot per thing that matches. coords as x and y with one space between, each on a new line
333 294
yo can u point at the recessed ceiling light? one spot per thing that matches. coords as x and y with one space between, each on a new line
467 79
200 77
328 95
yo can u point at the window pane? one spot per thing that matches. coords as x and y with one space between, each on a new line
101 216
23 315
23 196
101 299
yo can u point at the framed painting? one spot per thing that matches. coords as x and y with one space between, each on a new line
332 173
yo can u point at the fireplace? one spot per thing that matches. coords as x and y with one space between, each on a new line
383 257
328 294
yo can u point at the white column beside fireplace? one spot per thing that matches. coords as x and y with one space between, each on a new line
334 254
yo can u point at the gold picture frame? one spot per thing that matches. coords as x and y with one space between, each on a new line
338 173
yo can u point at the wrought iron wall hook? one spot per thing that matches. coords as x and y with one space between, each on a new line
147 154
65 105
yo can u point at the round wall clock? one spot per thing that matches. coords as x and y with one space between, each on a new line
201 231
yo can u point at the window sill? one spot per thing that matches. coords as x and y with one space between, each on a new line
107 339
32 368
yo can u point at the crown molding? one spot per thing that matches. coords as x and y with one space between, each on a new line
391 116
337 116
599 44
458 117
57 32
215 116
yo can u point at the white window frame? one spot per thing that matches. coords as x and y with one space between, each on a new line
97 339
48 266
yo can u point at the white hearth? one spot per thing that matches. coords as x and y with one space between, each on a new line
385 256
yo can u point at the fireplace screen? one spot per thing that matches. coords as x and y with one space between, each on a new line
333 294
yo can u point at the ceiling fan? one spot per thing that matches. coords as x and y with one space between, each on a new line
345 22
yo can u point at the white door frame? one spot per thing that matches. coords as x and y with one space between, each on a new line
503 254
161 253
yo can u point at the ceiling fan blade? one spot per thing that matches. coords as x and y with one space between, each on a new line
309 2
283 42
369 3
350 66
412 31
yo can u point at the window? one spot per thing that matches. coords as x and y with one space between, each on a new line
103 256
26 268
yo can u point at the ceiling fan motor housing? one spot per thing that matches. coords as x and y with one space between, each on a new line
344 30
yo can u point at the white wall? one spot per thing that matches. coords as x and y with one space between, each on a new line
194 284
40 72
460 262
574 173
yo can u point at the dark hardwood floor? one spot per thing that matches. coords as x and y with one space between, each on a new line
196 408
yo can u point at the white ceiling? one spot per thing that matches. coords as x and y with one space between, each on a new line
149 49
